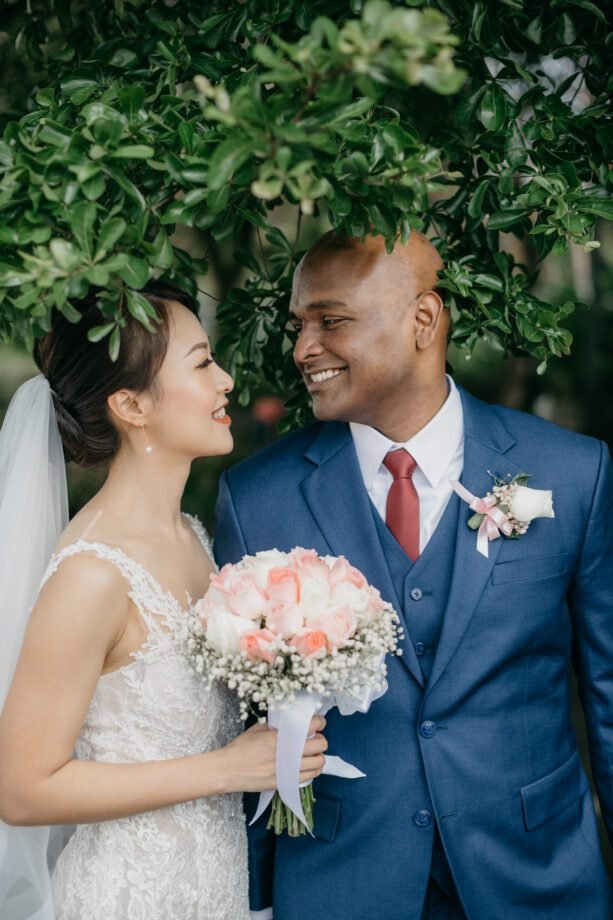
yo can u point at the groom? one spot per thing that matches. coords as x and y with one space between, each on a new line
475 804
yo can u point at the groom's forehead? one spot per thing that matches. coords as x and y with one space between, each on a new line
333 280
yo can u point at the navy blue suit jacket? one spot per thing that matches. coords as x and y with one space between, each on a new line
501 775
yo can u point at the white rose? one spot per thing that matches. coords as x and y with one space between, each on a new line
349 595
314 597
261 564
224 631
527 504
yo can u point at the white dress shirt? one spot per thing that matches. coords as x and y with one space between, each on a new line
438 450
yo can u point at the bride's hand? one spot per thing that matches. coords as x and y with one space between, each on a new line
251 758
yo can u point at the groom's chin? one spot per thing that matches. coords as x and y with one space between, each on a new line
325 411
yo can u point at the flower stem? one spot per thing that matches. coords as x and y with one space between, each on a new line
283 818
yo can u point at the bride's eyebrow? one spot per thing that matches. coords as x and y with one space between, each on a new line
195 347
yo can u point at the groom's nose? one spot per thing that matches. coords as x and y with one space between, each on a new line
308 344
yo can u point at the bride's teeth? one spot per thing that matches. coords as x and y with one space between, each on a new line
326 375
220 413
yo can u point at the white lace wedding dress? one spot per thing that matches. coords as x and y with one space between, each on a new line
185 862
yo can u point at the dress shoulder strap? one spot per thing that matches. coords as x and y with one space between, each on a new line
138 578
202 535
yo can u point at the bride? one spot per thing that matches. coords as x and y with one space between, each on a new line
160 763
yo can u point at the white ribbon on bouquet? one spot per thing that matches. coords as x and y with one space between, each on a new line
292 721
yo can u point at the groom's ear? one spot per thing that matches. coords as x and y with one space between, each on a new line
431 320
129 409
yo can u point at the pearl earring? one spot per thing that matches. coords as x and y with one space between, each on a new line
148 447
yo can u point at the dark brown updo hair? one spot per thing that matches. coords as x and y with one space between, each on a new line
82 375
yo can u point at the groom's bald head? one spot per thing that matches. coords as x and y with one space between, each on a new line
416 262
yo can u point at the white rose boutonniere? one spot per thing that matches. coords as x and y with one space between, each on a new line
507 509
527 504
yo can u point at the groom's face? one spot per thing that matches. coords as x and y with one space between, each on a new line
355 345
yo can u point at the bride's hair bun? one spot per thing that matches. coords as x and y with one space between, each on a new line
82 376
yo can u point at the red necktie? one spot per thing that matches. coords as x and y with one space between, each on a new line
402 512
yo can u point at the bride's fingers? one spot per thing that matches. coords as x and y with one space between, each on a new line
316 745
313 763
318 723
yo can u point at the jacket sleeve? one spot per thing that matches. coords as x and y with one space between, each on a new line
230 546
591 604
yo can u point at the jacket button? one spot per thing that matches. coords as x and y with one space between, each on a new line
417 594
427 729
422 818
420 648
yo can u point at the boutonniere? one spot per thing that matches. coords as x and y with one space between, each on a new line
508 508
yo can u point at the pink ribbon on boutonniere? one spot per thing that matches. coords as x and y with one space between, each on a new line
494 520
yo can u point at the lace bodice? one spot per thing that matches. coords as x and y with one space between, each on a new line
188 861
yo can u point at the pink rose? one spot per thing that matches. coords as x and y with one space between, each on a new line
309 565
240 593
284 619
344 571
338 623
259 645
283 586
310 643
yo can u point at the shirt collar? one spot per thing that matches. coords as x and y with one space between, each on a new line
433 447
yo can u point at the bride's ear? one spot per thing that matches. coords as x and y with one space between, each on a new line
129 409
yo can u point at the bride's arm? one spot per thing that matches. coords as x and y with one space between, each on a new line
79 617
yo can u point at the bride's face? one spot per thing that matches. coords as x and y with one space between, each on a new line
187 416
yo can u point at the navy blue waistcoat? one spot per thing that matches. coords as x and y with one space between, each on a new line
424 584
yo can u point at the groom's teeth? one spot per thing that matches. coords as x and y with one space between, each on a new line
326 375
220 413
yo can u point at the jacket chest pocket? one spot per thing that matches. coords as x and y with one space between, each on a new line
530 568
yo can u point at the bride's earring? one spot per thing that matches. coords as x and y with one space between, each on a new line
148 447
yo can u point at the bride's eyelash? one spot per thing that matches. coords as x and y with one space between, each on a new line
207 361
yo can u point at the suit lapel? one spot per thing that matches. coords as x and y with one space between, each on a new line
338 501
486 440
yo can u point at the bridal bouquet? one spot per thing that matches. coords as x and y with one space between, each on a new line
294 634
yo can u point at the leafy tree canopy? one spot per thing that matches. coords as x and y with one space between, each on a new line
464 119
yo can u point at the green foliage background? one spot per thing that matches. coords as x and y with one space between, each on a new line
468 120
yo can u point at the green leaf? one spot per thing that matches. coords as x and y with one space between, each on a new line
115 344
493 111
131 100
140 308
135 273
110 232
64 254
93 188
54 134
82 217
228 157
475 204
504 220
124 58
162 254
602 207
133 152
99 332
